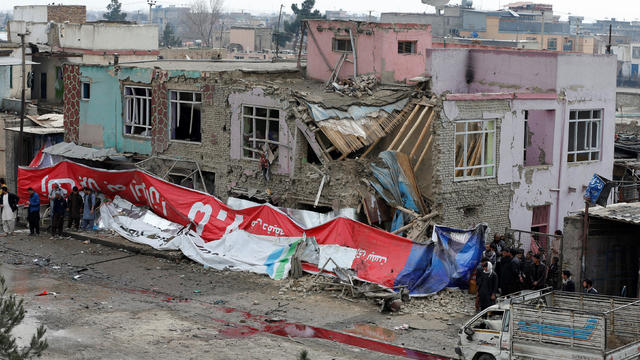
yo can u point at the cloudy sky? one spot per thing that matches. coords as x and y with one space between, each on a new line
590 9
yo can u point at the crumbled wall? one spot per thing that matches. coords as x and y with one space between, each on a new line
71 102
71 13
466 203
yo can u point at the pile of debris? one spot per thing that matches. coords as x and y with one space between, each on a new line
360 86
447 302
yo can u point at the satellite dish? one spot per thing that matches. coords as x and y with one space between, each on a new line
436 3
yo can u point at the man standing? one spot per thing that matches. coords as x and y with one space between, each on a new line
52 195
34 213
489 253
509 273
88 209
587 285
567 282
9 204
75 208
553 276
487 285
59 208
538 273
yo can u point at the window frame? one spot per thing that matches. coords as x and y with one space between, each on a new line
635 52
253 140
413 49
483 166
173 103
588 136
334 45
555 44
82 87
125 109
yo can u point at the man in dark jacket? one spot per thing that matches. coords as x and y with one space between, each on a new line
487 285
509 276
538 273
567 282
34 212
74 203
553 276
59 208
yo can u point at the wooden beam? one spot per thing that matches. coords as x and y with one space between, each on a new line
371 148
413 129
423 133
404 127
423 154
364 206
311 139
410 225
313 37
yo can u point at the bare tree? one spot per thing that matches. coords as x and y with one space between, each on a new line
202 18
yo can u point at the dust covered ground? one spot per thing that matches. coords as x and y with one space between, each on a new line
105 303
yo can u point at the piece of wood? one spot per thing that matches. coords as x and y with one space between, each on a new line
423 134
410 225
407 169
423 154
311 139
413 128
404 127
370 148
363 202
461 162
324 177
410 212
475 156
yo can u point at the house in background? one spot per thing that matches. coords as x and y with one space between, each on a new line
59 34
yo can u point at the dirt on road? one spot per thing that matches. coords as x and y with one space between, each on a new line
106 303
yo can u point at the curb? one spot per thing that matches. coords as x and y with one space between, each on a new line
132 247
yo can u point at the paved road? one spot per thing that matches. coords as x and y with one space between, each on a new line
125 306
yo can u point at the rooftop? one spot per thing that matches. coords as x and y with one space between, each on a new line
622 212
215 66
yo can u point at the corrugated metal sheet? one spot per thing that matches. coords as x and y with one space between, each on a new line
37 130
623 212
73 151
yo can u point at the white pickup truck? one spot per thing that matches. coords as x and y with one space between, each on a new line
546 324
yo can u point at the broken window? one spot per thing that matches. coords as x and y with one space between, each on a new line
407 47
539 126
342 45
552 44
185 109
260 126
475 149
137 110
584 135
86 90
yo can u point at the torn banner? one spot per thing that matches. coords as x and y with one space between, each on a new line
238 250
379 257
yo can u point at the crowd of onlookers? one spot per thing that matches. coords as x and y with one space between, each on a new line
505 270
80 207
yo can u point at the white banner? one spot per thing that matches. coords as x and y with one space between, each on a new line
237 250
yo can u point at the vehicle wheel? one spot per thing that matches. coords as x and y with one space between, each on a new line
486 357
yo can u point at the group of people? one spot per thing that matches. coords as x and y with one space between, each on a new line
80 206
505 270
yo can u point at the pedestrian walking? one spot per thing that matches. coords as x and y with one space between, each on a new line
9 204
567 282
74 206
487 281
33 217
88 209
59 208
587 285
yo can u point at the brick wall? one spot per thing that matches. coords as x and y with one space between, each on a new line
71 99
468 202
160 115
71 13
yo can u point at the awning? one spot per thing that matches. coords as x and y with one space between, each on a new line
8 61
37 130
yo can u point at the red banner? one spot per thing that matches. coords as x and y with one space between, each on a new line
380 256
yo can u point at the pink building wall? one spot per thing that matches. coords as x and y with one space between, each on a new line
376 50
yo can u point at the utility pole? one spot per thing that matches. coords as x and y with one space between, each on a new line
221 31
542 33
278 33
151 4
22 103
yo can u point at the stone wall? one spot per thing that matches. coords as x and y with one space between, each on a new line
71 100
465 203
71 13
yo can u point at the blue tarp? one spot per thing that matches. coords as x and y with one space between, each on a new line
448 261
394 187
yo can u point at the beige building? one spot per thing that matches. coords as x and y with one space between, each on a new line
250 39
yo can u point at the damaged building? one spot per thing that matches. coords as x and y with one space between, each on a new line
454 136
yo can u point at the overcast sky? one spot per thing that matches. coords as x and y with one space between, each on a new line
590 9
